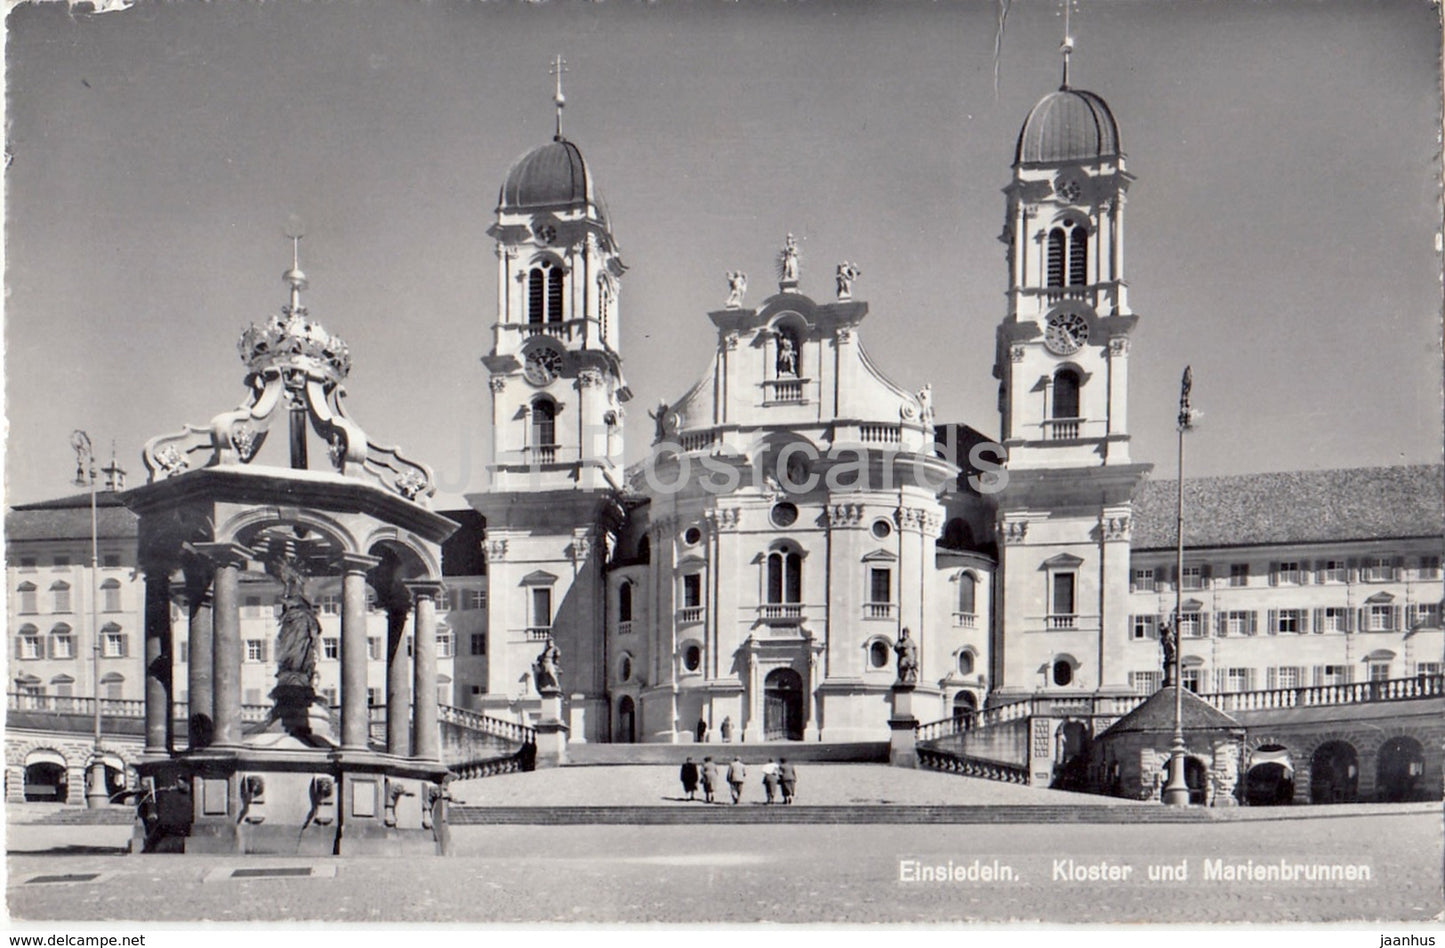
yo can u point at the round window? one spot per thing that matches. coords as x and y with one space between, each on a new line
881 528
625 672
692 536
785 514
692 658
878 654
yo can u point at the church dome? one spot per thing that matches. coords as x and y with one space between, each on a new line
1068 125
551 175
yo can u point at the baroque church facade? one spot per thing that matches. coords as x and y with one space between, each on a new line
799 511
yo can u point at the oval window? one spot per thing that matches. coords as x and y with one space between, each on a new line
625 672
785 514
692 658
881 528
1063 672
692 537
878 654
965 663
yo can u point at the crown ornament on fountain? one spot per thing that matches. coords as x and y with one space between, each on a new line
294 345
291 343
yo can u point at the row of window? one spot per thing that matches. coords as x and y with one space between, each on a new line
28 599
1369 569
1377 617
1237 679
63 686
63 561
61 643
784 586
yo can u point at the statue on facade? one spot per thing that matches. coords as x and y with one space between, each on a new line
737 286
787 356
299 634
1169 644
788 260
925 404
659 418
847 273
547 670
907 651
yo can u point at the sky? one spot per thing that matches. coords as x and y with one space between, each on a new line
1280 237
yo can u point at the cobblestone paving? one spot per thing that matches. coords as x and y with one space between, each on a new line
818 785
816 874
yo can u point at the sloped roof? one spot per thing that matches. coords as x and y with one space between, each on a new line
1157 714
1294 507
68 518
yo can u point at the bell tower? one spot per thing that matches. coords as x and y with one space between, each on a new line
1063 349
1062 361
556 375
557 405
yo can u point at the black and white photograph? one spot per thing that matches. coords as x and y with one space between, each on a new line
715 463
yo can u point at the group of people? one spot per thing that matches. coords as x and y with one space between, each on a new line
780 779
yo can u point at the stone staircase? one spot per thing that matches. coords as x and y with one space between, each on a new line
1128 813
864 752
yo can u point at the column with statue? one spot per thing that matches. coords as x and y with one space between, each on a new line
550 728
902 725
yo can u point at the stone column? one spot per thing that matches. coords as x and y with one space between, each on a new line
752 730
228 559
811 699
425 735
902 727
158 660
200 707
398 685
355 724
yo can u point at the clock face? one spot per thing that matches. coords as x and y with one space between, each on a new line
544 364
1066 333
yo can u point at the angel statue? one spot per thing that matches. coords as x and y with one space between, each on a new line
847 273
737 286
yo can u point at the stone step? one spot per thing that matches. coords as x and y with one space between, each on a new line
798 813
584 755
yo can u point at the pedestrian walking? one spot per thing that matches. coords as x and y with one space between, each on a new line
787 779
710 778
770 780
737 773
689 778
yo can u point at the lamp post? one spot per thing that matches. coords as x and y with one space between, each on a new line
1176 791
85 475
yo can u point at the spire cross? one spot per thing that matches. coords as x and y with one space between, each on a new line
1067 46
559 66
294 276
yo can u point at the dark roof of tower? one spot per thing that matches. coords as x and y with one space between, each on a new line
1068 125
1369 503
551 175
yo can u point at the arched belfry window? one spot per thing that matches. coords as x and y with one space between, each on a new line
545 285
785 577
1068 254
1079 257
1066 394
1056 257
536 311
554 295
544 423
